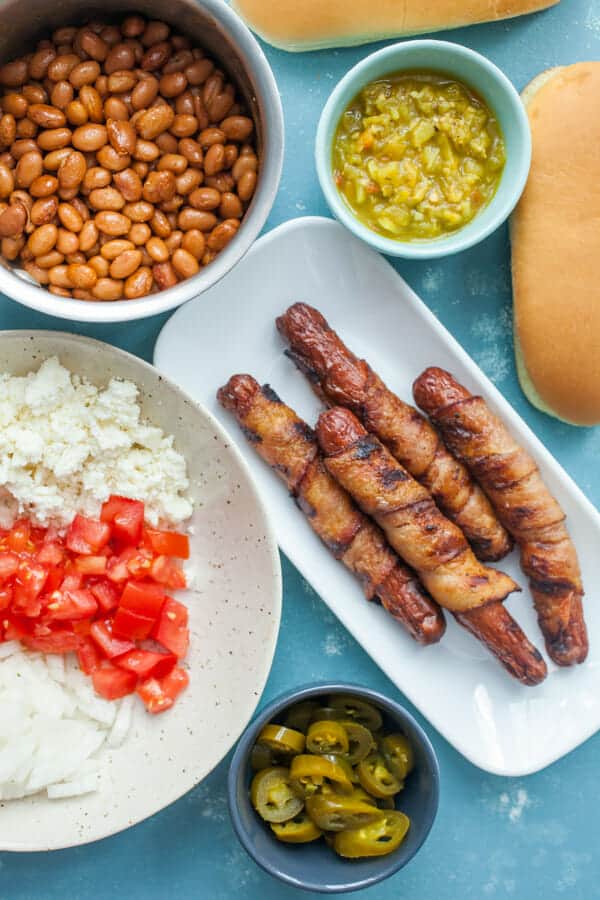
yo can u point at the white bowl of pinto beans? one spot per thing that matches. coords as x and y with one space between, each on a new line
140 154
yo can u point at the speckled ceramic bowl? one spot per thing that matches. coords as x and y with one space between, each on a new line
315 867
474 70
234 614
219 31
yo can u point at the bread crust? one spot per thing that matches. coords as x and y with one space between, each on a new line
297 25
555 266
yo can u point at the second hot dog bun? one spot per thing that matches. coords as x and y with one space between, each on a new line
555 236
315 24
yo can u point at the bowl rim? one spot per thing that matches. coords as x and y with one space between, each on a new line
352 82
21 290
274 560
239 761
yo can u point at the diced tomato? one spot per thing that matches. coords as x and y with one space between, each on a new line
72 582
175 612
28 586
112 683
18 536
143 598
91 565
99 591
72 605
166 572
15 628
171 630
36 534
9 564
160 694
54 579
131 625
87 536
175 682
102 634
33 576
52 535
139 564
168 543
116 567
89 655
106 593
50 554
126 518
6 597
155 699
147 663
60 641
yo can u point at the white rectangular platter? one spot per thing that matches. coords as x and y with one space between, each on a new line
496 723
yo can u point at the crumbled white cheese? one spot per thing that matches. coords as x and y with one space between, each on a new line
66 445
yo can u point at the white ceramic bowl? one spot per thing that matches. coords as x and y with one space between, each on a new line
474 70
221 32
234 614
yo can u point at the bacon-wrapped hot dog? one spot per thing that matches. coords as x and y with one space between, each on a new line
284 441
512 481
432 545
342 379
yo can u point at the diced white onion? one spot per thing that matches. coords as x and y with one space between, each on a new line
53 725
122 723
84 785
8 648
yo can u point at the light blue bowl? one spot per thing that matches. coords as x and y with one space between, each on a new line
490 83
315 867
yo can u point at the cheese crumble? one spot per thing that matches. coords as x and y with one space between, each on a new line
66 445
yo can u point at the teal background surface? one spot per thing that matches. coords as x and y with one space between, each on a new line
506 839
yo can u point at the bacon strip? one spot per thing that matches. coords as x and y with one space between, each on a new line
432 545
284 441
341 379
525 506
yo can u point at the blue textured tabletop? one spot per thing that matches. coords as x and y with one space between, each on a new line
498 838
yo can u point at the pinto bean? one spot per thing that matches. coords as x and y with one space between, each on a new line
43 186
122 136
13 74
7 182
108 289
72 170
90 137
139 284
156 56
164 275
43 239
126 160
29 168
70 217
8 130
125 264
82 276
112 223
44 210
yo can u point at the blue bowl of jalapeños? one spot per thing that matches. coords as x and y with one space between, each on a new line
315 866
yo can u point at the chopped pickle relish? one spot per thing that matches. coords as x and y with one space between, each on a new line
417 155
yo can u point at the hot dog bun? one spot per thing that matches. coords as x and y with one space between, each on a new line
555 236
314 24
